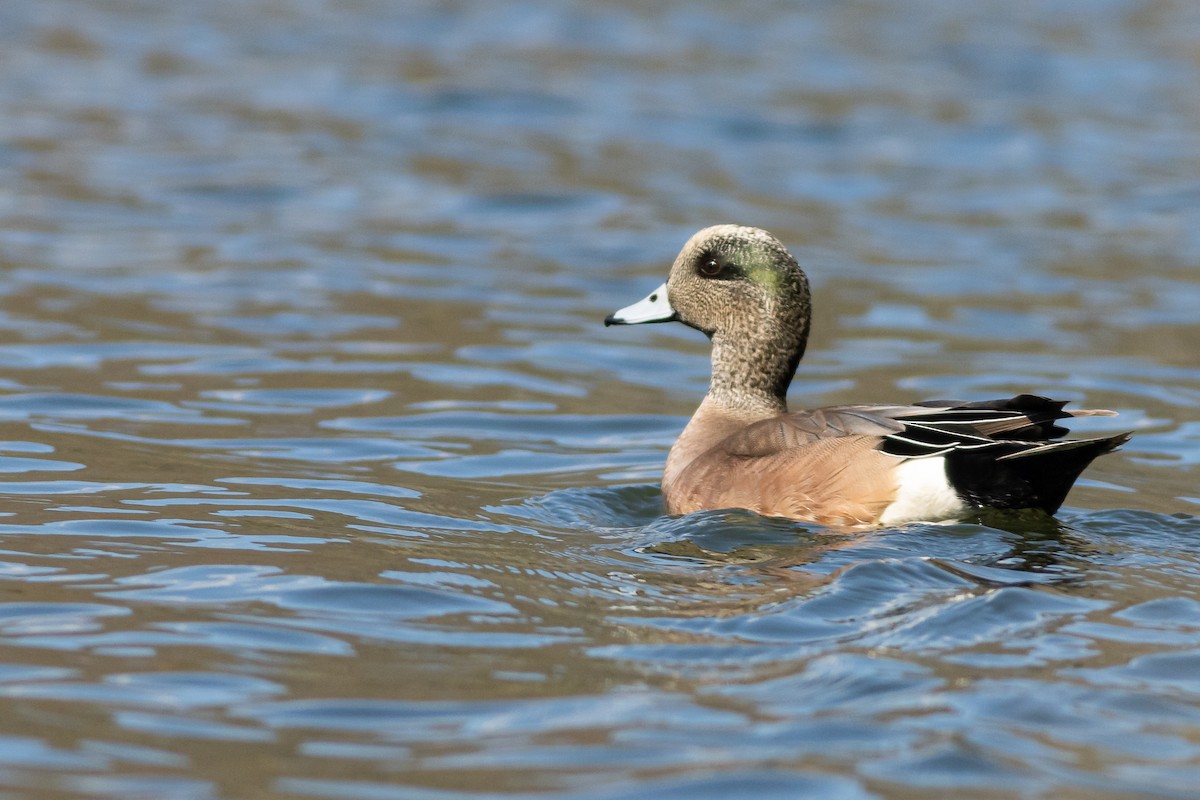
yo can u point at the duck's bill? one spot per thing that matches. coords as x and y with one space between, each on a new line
655 308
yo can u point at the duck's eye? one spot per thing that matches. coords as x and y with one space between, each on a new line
710 268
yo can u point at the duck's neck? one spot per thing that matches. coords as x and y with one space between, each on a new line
749 383
751 375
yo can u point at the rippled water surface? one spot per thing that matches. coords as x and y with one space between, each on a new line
320 477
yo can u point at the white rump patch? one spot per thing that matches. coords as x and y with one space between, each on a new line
923 493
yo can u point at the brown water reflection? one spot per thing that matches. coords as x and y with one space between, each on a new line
321 477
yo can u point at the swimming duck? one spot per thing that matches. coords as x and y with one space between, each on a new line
843 466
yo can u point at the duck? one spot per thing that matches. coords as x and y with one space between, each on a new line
846 466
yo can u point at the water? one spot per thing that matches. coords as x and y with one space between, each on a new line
322 479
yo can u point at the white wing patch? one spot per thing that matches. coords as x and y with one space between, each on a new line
923 493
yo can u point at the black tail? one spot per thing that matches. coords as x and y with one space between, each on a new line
1016 474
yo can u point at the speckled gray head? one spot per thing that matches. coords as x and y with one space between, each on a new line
742 288
728 278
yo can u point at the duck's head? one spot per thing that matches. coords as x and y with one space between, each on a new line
728 279
745 291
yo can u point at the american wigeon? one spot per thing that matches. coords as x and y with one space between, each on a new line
861 465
